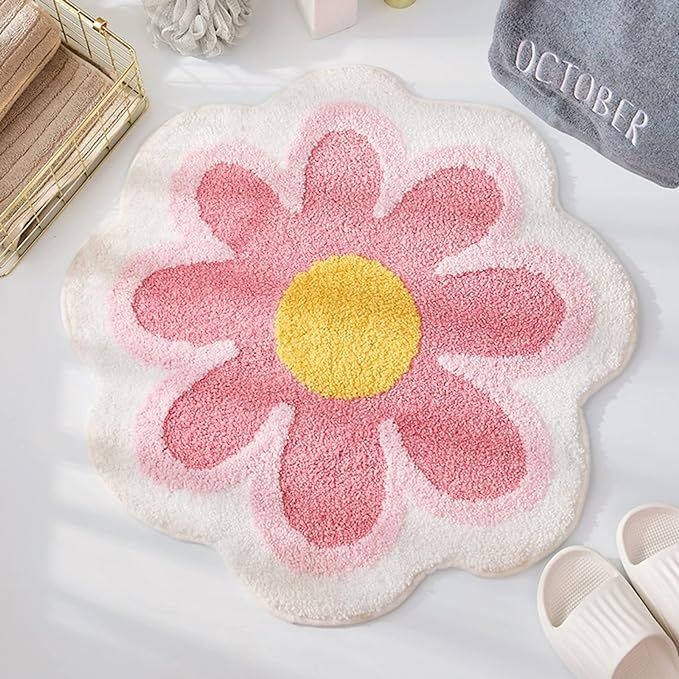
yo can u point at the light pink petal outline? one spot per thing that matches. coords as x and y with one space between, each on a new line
288 184
397 185
291 547
569 339
480 512
184 185
158 463
136 340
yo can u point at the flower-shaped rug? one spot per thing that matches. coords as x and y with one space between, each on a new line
344 338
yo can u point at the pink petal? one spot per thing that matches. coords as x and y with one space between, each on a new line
206 302
333 472
238 205
494 312
342 180
440 216
461 440
220 413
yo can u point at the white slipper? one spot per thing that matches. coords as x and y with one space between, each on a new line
596 622
648 543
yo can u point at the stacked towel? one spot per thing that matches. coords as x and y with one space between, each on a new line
47 92
605 72
44 116
28 39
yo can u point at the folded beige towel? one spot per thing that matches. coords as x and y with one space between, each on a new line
44 116
29 37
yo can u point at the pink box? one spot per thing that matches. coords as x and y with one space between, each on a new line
324 17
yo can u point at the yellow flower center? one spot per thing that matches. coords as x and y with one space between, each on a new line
347 327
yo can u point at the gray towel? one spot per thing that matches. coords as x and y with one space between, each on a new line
605 71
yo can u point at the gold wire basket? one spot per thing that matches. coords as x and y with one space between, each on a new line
50 189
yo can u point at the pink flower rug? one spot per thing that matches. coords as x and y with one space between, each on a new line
344 337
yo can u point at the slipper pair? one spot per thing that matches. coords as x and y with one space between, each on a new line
598 624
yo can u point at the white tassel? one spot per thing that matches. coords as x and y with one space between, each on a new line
199 28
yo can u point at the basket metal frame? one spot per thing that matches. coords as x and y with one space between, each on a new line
52 187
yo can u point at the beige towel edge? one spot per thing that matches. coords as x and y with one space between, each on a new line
44 49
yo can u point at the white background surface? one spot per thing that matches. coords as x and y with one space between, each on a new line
87 592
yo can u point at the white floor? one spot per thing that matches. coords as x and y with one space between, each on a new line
86 592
